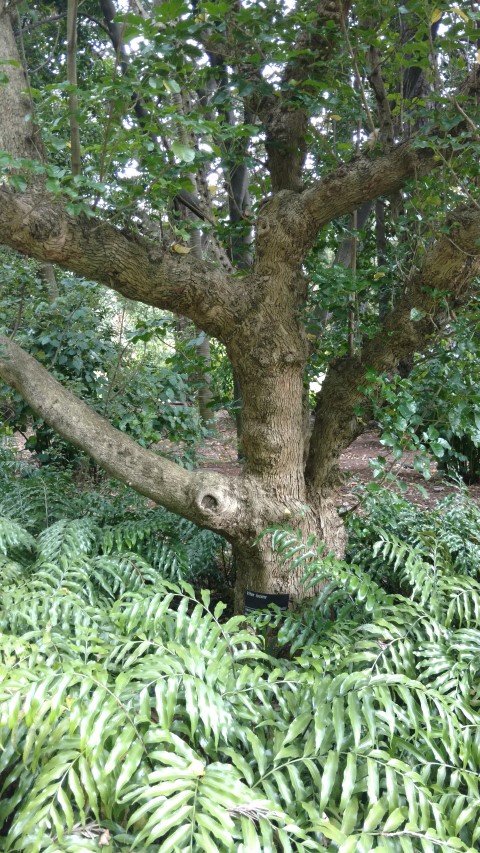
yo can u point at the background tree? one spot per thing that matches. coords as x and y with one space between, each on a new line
308 112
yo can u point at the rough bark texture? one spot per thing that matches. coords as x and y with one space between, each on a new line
258 317
17 136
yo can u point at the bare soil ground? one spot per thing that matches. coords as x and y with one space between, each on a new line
219 453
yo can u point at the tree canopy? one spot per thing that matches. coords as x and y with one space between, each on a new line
297 179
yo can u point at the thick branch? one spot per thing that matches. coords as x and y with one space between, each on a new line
300 216
368 177
38 226
17 136
363 179
441 284
207 498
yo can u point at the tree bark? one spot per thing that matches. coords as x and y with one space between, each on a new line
17 136
258 317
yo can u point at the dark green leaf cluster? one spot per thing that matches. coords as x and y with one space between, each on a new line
124 374
436 408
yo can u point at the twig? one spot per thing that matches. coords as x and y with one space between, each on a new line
473 127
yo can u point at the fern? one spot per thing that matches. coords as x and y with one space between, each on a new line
14 539
396 716
118 521
39 499
134 717
129 708
176 547
452 529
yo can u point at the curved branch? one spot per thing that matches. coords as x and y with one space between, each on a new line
442 283
208 499
368 177
300 216
37 225
363 179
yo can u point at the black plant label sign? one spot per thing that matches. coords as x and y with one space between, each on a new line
262 600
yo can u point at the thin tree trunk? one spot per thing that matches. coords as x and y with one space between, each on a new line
18 136
352 302
47 274
75 155
204 393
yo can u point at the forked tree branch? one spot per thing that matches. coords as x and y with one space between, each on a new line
442 283
370 176
286 123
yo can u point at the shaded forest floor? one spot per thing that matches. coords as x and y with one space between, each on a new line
219 453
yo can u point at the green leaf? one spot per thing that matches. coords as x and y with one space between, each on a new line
416 315
349 779
183 152
395 819
121 747
129 765
328 777
66 808
172 86
76 789
176 838
375 815
297 727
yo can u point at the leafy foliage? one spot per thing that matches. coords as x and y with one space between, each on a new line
115 522
436 408
104 351
398 702
133 718
451 530
121 699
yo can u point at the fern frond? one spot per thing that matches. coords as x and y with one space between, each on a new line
14 539
66 540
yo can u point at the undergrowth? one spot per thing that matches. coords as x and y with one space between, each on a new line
120 520
452 528
133 718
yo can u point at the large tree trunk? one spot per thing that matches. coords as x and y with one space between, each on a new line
261 570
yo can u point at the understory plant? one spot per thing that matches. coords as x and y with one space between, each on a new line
134 717
451 528
119 519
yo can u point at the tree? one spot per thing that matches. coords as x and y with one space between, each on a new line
269 85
